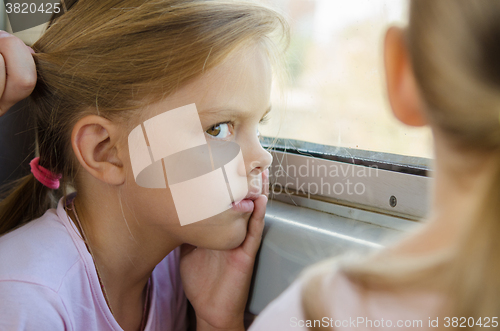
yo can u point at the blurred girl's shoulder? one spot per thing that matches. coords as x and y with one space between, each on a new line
339 302
366 306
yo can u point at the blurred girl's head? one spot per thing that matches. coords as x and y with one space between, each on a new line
106 66
454 49
443 70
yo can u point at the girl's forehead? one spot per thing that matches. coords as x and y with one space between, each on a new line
244 69
240 84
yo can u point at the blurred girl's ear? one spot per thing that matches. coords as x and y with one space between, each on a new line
402 89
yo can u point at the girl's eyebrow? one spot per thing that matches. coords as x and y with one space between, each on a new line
228 111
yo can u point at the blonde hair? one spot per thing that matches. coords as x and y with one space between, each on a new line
454 50
113 57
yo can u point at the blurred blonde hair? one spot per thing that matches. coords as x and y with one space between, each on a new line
455 50
113 57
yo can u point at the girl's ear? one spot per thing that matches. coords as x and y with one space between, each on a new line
95 141
402 89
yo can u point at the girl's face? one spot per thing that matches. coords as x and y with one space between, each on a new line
231 99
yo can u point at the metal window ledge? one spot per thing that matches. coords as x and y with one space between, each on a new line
296 237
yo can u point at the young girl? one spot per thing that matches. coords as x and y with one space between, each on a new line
109 256
443 71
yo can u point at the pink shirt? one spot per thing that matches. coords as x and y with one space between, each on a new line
48 281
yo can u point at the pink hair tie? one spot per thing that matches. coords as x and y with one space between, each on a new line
44 176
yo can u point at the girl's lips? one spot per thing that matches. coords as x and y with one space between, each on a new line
244 206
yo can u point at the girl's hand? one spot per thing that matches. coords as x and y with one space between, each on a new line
217 282
17 71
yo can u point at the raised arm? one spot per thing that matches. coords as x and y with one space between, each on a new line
17 71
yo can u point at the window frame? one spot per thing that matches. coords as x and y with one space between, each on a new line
406 178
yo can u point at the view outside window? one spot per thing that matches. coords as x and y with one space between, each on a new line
337 95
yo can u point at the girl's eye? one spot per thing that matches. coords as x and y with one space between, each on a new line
220 131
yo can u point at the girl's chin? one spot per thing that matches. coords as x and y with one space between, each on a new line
237 234
221 232
230 235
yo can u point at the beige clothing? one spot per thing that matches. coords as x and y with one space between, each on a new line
351 309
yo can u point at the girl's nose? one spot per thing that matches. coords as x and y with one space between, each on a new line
260 159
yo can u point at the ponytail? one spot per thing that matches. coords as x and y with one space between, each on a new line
26 200
476 288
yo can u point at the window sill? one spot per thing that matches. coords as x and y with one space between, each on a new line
296 237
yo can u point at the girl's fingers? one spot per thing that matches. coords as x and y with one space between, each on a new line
255 227
20 71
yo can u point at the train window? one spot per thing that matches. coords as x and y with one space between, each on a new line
334 137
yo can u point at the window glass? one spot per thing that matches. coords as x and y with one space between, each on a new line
336 94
